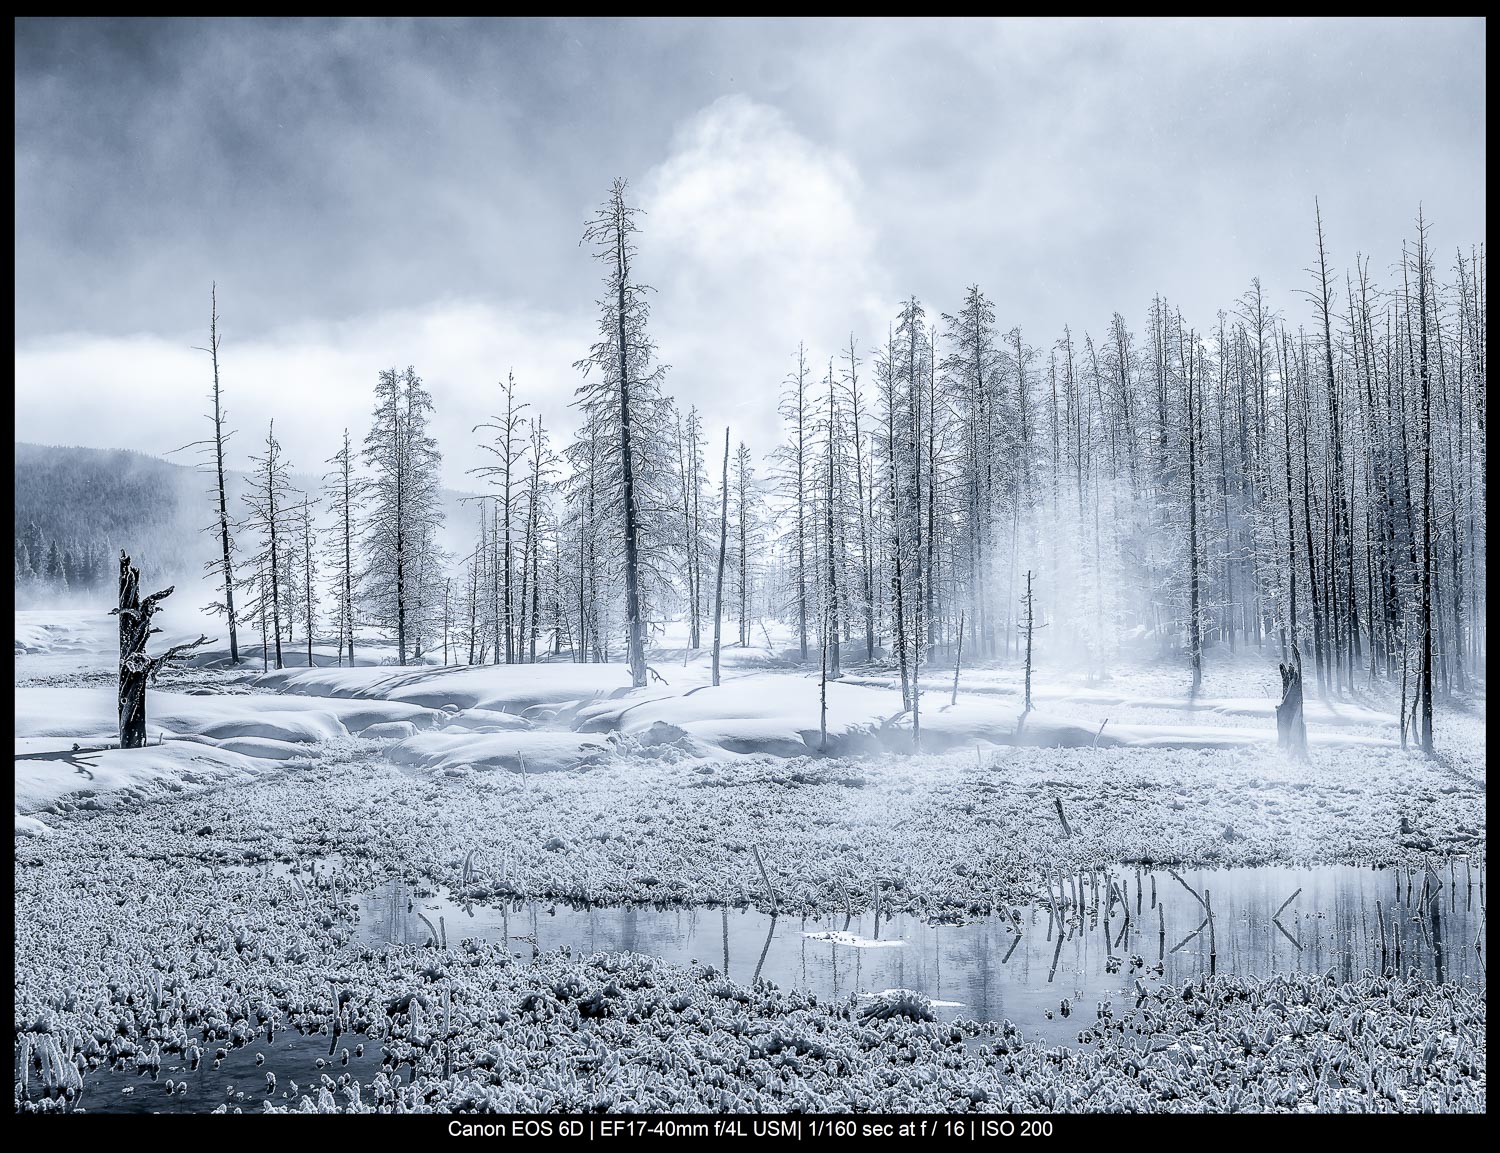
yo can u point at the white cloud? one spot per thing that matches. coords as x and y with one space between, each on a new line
756 237
312 379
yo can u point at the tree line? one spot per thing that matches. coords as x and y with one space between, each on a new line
44 565
1306 480
1311 486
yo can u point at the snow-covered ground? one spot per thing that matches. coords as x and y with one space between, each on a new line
559 782
561 715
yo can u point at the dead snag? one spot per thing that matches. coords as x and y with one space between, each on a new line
1291 728
137 669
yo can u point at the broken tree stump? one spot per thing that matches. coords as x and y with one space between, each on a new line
1291 728
137 668
1061 816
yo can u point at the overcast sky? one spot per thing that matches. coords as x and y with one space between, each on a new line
373 193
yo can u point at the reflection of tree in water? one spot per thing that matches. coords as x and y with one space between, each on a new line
1268 921
400 915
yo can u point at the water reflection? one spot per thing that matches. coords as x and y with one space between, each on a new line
1096 937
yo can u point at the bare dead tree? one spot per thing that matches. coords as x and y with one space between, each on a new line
342 496
1425 675
508 448
624 393
830 544
792 456
447 615
742 515
1030 628
723 548
823 683
137 668
1291 727
958 659
309 573
221 565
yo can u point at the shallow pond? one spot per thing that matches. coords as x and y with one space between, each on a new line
985 969
238 1081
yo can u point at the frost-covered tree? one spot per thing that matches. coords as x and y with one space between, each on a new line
622 402
723 555
223 564
541 464
692 478
307 571
57 578
745 526
341 498
507 447
794 464
269 519
402 510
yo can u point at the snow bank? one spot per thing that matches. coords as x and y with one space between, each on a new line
50 776
494 688
57 711
521 751
207 738
778 713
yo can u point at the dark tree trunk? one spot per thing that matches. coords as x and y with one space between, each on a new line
224 542
1195 623
137 669
1291 525
723 548
867 579
1030 627
1307 532
536 592
134 627
1291 729
898 623
801 510
744 551
1425 684
348 555
635 629
830 618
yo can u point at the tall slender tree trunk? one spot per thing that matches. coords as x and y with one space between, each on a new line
1289 618
1195 622
224 542
1425 686
307 584
1030 628
743 478
723 549
898 594
830 618
1307 526
348 575
634 626
867 588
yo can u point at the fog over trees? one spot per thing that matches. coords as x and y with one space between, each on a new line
1298 471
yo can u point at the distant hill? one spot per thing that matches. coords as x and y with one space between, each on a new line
154 508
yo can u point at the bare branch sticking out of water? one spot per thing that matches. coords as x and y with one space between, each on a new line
766 877
1176 876
1190 936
